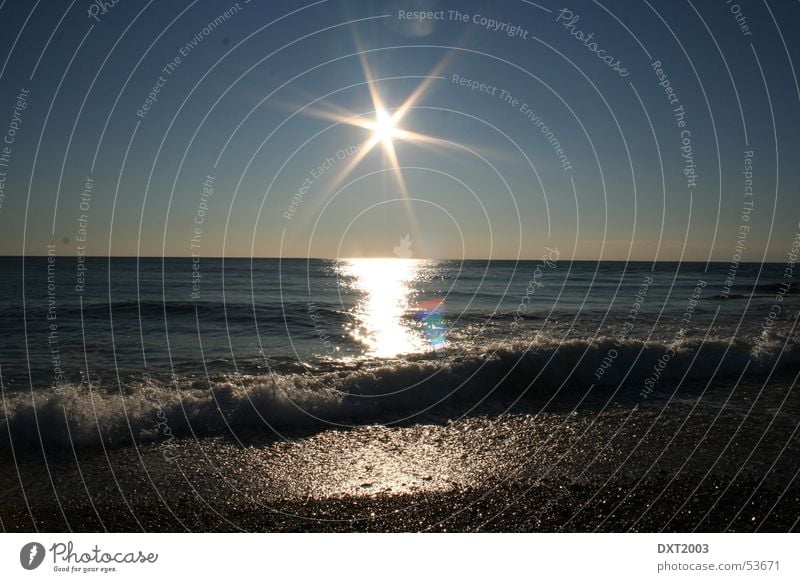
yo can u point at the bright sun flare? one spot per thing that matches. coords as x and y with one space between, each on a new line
384 128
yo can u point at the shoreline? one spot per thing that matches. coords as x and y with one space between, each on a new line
644 468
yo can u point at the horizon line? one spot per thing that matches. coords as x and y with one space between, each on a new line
293 258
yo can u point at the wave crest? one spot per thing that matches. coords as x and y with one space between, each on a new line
75 415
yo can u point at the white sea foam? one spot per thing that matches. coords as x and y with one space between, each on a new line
498 373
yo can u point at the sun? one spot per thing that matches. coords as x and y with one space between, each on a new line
384 127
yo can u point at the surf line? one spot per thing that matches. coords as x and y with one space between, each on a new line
666 357
627 327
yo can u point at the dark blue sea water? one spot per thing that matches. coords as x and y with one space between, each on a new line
288 342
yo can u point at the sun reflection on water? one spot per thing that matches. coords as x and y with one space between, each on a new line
387 286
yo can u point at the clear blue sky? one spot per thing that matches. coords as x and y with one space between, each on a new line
491 185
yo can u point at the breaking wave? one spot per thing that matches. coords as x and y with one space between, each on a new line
355 393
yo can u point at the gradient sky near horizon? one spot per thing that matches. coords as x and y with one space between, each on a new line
263 98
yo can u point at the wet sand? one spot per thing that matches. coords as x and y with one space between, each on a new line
646 468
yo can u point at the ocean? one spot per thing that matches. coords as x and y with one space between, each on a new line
311 364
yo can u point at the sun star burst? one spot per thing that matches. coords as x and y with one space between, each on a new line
385 128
